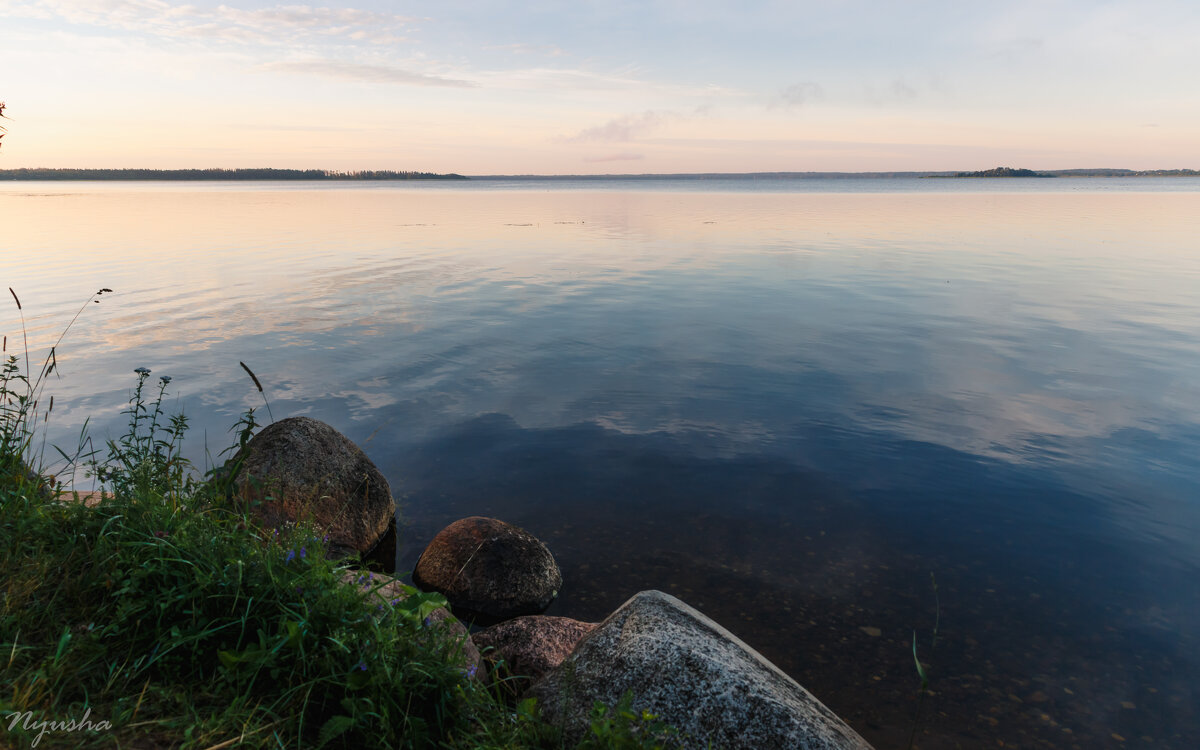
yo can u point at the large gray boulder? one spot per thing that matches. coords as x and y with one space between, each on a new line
301 469
695 675
484 566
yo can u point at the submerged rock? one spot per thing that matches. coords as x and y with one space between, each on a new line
301 469
533 645
489 567
695 675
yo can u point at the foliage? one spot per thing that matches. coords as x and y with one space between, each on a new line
623 727
162 603
146 459
163 611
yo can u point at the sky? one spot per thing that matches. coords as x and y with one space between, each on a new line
656 86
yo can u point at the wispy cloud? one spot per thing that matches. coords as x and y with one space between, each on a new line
561 79
548 50
1018 49
635 127
624 129
289 128
348 71
901 90
797 95
623 156
277 25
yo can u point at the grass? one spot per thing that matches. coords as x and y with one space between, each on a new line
163 616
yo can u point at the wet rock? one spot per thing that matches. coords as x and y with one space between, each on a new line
489 567
383 590
695 675
301 469
532 645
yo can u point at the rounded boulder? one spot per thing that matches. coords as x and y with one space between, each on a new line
487 567
533 645
301 469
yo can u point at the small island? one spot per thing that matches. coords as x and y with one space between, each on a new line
1003 172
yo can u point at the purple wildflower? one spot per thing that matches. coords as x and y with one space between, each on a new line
471 671
291 555
303 552
362 665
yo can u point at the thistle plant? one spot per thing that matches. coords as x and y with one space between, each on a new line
146 459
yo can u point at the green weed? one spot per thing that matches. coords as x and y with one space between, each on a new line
922 669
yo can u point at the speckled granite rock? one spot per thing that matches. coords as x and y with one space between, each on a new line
302 469
383 589
695 675
489 567
533 645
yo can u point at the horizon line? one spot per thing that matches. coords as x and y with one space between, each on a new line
311 174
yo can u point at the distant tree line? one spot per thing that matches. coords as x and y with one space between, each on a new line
1004 172
1010 172
215 174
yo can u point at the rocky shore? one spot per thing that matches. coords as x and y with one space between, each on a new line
679 665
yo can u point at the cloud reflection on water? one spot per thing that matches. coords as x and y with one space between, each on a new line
1006 383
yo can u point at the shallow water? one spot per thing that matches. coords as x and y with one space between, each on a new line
790 404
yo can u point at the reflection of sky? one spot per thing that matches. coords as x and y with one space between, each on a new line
982 321
1009 379
1019 326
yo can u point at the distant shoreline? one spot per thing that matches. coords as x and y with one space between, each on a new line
206 175
845 175
321 175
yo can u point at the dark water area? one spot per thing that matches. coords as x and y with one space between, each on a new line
799 409
829 577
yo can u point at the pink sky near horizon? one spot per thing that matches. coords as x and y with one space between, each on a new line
497 88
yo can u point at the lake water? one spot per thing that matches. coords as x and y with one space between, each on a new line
794 404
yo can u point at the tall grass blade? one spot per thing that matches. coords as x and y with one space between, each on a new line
258 385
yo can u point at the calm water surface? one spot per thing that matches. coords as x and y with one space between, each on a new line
790 404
